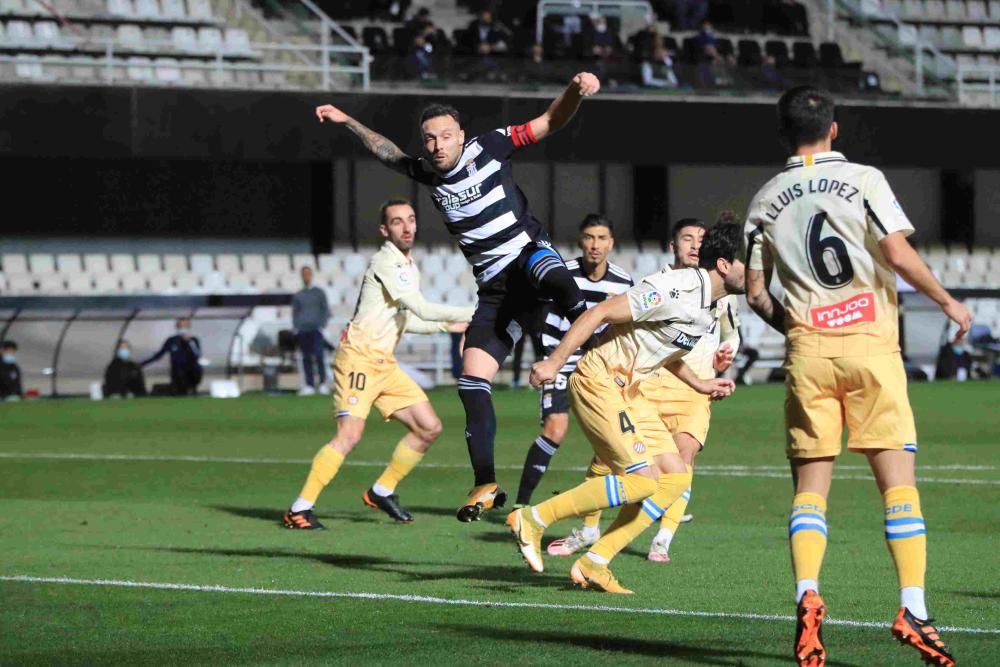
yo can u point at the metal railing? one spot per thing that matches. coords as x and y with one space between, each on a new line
607 8
978 85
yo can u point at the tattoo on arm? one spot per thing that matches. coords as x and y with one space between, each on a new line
383 149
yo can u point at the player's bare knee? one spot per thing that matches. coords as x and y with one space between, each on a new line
428 433
688 446
555 429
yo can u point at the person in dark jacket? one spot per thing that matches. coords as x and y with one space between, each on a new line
310 313
10 373
185 355
123 377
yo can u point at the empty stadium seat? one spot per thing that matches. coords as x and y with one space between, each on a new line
955 10
214 283
106 283
79 283
51 283
147 9
147 264
121 8
20 283
237 41
122 264
11 7
174 264
991 38
193 73
972 37
326 263
289 282
19 33
239 282
431 265
47 34
14 263
202 264
96 264
199 9
279 263
69 263
139 69
253 264
227 264
167 70
266 282
187 283
160 283
184 38
173 9
299 261
130 36
354 264
41 264
456 263
133 283
210 39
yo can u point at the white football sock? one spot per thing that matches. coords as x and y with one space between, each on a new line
538 520
381 490
301 505
591 532
803 585
600 560
912 597
664 537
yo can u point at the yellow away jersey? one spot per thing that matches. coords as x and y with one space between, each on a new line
820 221
701 359
671 310
380 317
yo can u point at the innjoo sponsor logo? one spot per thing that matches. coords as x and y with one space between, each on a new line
857 309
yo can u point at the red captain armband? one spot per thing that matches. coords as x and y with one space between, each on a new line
522 135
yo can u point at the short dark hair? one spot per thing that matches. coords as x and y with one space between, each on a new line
596 219
383 209
805 114
435 110
9 345
721 242
685 222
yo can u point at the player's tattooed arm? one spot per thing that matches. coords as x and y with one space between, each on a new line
384 150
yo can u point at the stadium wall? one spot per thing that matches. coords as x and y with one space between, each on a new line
120 162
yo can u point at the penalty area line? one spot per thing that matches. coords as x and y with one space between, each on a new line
455 602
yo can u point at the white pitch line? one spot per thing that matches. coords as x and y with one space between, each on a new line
767 472
427 599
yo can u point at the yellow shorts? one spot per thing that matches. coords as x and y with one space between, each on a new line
623 427
362 380
682 410
866 393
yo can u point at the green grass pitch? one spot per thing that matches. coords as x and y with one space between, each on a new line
437 591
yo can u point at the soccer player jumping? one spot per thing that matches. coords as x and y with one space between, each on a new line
472 185
836 234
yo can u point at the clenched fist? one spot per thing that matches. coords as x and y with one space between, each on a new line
587 84
331 113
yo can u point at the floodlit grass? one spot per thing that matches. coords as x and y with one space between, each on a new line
157 514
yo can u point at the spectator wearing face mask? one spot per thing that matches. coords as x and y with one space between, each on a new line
185 355
10 373
123 377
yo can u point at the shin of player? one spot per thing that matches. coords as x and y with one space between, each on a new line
598 279
654 324
366 373
836 253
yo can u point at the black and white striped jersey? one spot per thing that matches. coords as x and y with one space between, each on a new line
615 281
483 207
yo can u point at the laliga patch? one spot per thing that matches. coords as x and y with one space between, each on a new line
404 277
352 400
650 300
857 309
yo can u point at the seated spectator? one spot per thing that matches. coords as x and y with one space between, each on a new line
709 58
689 14
10 373
538 69
488 37
420 20
642 42
604 43
658 70
185 359
772 77
123 377
420 59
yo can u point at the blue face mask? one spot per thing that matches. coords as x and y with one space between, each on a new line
957 349
124 354
9 358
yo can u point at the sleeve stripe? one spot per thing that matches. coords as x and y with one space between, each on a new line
878 223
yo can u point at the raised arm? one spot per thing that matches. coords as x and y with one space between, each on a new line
158 355
907 263
384 150
564 107
434 312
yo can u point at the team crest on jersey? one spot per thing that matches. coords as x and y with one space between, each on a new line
674 293
470 167
639 447
651 300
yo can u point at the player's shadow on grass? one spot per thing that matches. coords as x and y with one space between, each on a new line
700 654
979 595
274 517
515 573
